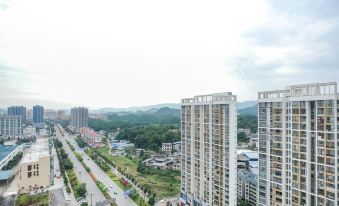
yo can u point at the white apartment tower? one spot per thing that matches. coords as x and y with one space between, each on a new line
10 125
79 117
209 150
298 146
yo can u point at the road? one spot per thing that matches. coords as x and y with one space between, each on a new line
103 177
94 194
7 200
57 192
58 199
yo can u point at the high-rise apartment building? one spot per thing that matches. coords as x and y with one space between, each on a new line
10 125
29 115
209 150
79 117
18 110
61 115
38 114
298 146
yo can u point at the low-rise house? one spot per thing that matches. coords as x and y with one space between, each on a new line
247 187
177 146
123 144
35 168
164 163
248 160
167 147
29 131
254 140
92 138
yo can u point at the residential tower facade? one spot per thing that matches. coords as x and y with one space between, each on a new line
38 114
209 150
10 125
79 117
298 145
18 110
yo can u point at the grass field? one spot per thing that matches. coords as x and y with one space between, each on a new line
164 183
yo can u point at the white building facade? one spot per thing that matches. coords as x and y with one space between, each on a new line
90 136
209 150
247 187
298 144
167 147
79 117
10 125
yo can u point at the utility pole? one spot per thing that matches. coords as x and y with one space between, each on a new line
91 198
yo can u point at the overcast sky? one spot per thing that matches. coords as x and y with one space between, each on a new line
132 52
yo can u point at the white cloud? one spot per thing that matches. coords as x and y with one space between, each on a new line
123 53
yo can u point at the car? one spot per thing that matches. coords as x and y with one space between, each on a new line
82 201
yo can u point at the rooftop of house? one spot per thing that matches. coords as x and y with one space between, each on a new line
39 149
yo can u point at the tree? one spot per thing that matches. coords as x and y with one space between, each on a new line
62 153
241 137
242 202
141 168
67 164
151 201
58 143
80 190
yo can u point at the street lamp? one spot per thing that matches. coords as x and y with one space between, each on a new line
80 175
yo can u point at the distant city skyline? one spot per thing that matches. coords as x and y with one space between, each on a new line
130 53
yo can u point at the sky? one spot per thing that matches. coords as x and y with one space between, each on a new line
110 53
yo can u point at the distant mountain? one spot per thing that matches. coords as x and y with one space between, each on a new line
253 110
168 111
246 104
137 108
150 109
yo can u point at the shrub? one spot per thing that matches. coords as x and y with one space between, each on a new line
67 164
80 190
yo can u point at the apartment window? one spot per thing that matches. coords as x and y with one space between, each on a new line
29 174
37 173
29 168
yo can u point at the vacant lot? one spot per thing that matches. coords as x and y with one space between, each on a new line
164 183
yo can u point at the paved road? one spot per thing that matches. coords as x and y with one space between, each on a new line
104 178
58 199
92 190
57 189
7 200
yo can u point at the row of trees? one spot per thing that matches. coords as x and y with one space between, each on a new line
66 166
61 156
81 143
